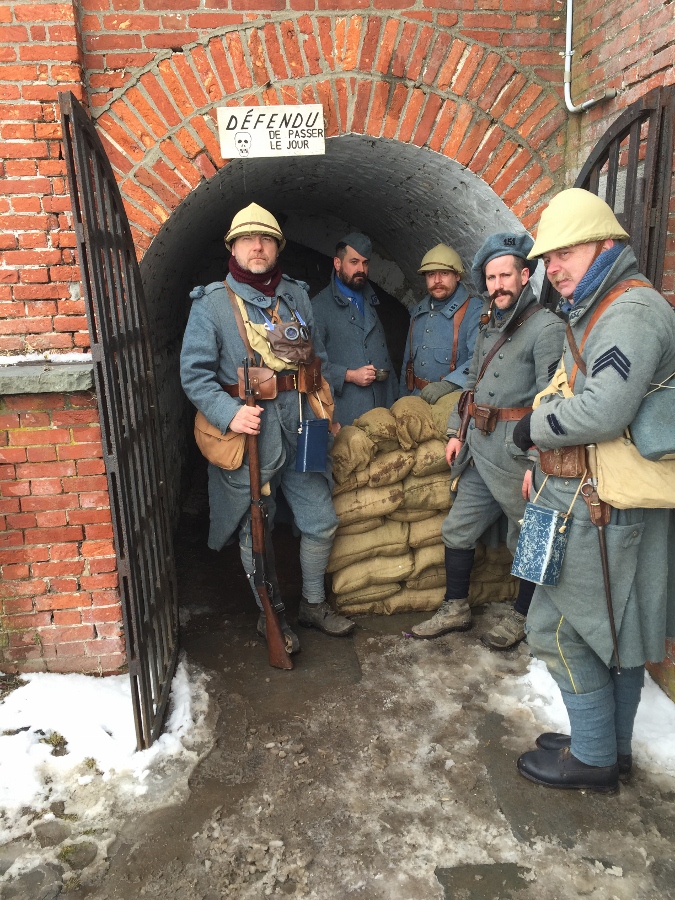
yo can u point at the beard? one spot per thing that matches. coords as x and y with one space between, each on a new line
356 282
259 266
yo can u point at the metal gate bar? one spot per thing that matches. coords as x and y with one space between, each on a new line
129 413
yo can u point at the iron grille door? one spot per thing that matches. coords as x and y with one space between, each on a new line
631 168
128 409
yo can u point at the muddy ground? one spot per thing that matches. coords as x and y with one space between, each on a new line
380 768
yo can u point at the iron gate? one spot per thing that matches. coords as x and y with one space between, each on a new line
128 409
631 168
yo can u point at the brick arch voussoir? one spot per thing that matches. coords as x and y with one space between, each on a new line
373 74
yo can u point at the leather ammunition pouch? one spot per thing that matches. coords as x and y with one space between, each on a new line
263 382
485 417
309 376
567 462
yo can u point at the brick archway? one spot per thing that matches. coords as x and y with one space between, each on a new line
378 76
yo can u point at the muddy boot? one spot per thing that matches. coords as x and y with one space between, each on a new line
321 616
291 638
560 769
507 633
551 740
454 615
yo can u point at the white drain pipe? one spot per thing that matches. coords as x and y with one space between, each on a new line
569 53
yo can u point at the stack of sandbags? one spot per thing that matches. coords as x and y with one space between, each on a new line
392 492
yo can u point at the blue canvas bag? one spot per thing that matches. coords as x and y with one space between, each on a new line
653 428
542 541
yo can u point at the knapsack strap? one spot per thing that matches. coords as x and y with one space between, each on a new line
609 298
506 334
241 328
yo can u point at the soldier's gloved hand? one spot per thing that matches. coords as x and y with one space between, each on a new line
521 433
433 392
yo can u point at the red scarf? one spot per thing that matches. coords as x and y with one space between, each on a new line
266 282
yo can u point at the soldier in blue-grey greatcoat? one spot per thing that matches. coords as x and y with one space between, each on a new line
489 466
212 351
628 348
347 324
443 330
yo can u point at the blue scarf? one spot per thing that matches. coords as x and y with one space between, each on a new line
354 297
594 277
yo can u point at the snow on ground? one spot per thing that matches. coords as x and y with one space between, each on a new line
94 717
46 357
654 733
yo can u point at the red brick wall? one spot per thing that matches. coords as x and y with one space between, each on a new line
39 56
60 604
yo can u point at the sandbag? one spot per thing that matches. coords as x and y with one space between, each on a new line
391 539
427 532
352 451
427 492
411 515
414 422
430 458
441 410
386 447
426 557
368 503
430 578
491 578
408 600
388 468
366 595
361 527
374 608
356 479
375 570
378 424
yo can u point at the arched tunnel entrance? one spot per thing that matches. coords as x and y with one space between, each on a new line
405 198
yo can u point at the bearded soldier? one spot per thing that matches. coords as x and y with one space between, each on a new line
359 367
516 352
443 329
255 296
621 340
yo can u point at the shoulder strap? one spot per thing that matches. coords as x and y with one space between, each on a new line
240 322
456 322
523 317
609 298
412 322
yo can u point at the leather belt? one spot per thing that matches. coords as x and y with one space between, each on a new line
506 413
284 383
420 383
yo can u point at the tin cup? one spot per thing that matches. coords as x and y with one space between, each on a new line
381 374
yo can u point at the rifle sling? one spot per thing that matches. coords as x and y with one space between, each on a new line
506 334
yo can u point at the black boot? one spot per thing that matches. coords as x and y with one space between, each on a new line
559 769
550 740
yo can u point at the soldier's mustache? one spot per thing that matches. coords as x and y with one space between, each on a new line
501 294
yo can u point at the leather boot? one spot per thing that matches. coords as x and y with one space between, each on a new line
507 633
454 615
321 616
551 740
559 769
291 638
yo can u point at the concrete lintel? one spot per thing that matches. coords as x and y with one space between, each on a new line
46 378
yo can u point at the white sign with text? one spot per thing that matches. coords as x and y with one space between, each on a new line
252 131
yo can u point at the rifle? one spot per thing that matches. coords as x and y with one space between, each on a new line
465 401
276 643
600 513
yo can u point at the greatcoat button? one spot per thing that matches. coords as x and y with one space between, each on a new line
491 393
496 374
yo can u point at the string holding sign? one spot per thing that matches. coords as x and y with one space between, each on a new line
254 131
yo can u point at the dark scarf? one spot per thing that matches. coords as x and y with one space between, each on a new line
594 277
266 282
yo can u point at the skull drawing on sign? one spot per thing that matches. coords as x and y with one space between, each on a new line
242 141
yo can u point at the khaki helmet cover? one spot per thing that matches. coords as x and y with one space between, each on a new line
575 216
441 259
254 220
